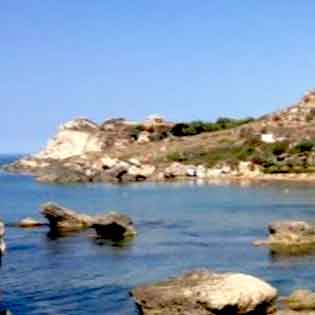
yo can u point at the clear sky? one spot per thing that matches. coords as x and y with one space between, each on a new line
186 60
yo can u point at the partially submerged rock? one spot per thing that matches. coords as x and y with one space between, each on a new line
65 220
2 229
114 226
30 223
289 234
2 243
301 300
205 293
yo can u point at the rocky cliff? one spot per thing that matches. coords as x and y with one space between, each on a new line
118 150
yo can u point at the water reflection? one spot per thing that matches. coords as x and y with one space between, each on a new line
122 243
292 254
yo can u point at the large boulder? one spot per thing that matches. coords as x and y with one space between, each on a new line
65 220
114 226
142 171
176 169
289 234
205 293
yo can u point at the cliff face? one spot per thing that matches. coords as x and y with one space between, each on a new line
82 136
75 137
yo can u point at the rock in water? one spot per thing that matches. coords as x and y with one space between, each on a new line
65 220
2 243
29 223
205 293
289 236
2 229
301 300
114 226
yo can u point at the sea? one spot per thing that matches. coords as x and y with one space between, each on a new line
181 227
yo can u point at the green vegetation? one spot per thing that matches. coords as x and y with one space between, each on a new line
273 158
304 146
197 127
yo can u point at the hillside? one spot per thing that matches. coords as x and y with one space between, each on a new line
121 151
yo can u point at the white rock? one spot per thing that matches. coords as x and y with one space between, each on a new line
175 169
2 230
214 172
134 161
268 138
108 162
191 171
144 137
201 171
144 170
227 293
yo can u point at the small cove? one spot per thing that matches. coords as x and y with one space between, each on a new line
182 226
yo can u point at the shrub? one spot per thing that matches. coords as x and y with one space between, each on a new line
304 146
279 148
176 157
197 127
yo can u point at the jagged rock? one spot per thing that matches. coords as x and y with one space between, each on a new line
289 236
114 226
29 223
301 300
205 293
65 220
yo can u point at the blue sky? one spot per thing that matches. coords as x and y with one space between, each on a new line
183 59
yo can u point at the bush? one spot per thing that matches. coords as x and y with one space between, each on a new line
197 127
176 156
279 148
304 146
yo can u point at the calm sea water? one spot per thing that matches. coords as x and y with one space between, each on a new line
181 227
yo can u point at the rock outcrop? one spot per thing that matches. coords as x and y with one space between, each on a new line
65 220
289 233
78 152
114 226
205 293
